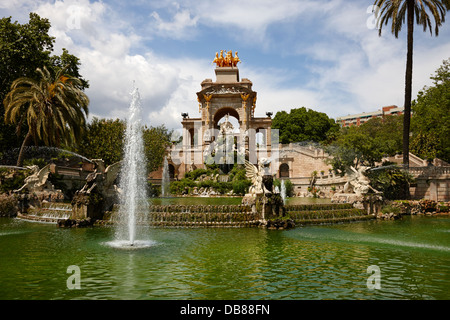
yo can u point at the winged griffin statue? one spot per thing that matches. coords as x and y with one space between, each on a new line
255 174
102 178
38 180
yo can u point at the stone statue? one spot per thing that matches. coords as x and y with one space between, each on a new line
228 60
255 174
217 60
102 178
226 127
236 59
38 180
358 182
99 192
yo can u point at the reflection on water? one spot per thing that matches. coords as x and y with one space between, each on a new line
316 262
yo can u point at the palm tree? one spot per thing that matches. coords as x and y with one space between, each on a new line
54 107
396 11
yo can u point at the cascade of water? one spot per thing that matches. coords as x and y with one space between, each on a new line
133 182
165 183
283 191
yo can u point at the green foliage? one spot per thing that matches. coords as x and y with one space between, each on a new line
52 105
238 182
240 187
426 145
11 179
304 125
71 64
156 142
431 117
238 173
289 188
8 205
314 190
194 174
103 140
287 184
390 209
24 48
366 144
179 187
40 162
386 133
392 180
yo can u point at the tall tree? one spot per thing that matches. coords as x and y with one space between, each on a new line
156 142
366 144
24 48
396 12
430 124
303 124
53 107
103 139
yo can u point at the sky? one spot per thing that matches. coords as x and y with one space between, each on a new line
323 55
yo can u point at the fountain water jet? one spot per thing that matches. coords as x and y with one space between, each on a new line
283 191
165 183
133 181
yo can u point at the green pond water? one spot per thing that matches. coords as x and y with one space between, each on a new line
315 262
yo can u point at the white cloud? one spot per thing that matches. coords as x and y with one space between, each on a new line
348 67
178 28
111 68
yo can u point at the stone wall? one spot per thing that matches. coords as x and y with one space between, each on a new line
198 215
303 160
432 183
242 215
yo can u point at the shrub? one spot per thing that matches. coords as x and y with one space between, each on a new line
178 187
391 209
392 181
194 174
8 205
241 187
12 179
289 188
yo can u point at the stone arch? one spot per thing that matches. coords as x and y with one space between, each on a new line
171 171
261 136
224 111
284 170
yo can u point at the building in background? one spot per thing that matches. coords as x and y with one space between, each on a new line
360 118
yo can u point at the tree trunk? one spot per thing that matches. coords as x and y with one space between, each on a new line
408 83
25 142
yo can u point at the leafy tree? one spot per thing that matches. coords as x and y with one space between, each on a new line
25 48
71 64
156 142
386 132
103 139
352 148
287 184
366 144
303 124
431 117
392 180
397 12
53 107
